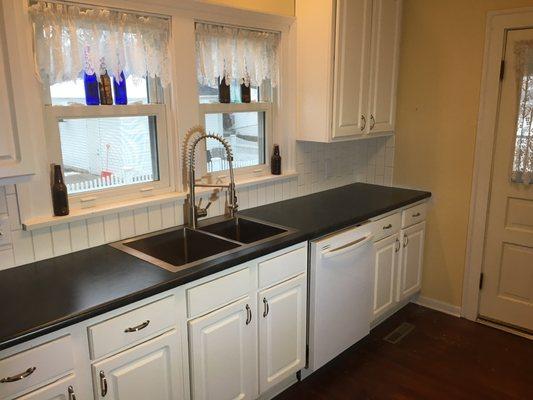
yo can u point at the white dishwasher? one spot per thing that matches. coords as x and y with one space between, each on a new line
340 293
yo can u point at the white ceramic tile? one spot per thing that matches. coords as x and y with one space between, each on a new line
140 218
13 211
61 239
7 258
168 215
78 235
155 218
127 224
42 243
22 247
111 228
95 231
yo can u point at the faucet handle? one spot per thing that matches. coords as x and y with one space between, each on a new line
201 212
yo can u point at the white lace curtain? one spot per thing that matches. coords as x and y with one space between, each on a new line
523 154
70 39
236 53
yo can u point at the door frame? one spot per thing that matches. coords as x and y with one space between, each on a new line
497 25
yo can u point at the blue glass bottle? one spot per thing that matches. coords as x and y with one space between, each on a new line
91 89
121 95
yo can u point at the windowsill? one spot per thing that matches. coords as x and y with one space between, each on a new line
98 211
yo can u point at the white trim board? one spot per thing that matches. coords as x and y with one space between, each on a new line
498 23
438 305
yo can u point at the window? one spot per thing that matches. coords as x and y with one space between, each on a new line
239 57
104 148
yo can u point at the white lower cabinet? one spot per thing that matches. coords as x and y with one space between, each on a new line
62 389
282 331
223 356
412 255
147 371
386 270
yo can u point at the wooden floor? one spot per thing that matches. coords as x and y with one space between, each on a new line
444 357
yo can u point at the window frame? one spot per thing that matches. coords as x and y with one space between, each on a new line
54 113
217 108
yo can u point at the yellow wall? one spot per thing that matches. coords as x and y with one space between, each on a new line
438 100
282 7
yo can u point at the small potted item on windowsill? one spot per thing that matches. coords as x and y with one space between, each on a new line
59 192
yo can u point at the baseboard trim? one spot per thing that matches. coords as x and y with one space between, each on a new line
438 305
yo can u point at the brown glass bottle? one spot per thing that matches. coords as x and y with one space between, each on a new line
106 95
246 92
223 91
275 162
59 193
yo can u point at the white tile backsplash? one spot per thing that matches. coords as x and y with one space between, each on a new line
319 166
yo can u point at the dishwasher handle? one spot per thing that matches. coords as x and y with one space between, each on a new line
347 247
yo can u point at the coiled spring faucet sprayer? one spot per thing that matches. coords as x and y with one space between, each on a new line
196 211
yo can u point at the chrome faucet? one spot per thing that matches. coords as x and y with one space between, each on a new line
196 211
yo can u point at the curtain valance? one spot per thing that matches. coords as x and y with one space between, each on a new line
71 39
236 53
523 154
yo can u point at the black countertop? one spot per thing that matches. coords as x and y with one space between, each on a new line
44 296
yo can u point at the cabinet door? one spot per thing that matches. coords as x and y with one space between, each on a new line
63 389
412 255
385 274
223 353
282 331
147 371
15 157
386 18
352 67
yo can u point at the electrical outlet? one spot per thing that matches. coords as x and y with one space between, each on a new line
5 234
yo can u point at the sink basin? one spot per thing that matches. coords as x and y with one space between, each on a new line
176 249
243 230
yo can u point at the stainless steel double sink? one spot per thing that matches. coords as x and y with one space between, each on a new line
180 248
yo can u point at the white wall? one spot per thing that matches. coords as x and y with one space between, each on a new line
320 167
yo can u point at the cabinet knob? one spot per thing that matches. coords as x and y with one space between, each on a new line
266 307
416 215
387 227
372 121
103 384
405 241
363 123
248 314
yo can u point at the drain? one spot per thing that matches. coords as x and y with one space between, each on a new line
399 333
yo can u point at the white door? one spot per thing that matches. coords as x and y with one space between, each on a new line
412 256
150 370
386 17
63 389
223 353
385 275
507 292
352 67
282 331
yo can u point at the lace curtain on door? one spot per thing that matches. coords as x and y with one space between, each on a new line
236 53
523 153
71 39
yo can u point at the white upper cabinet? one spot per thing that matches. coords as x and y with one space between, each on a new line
347 64
15 157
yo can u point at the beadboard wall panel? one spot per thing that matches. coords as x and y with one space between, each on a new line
319 166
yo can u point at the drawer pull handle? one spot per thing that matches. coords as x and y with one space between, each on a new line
103 384
71 394
397 246
18 377
387 226
138 327
416 215
405 241
267 307
248 314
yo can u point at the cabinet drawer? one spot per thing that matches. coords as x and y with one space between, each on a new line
414 215
120 331
35 366
216 293
387 226
282 266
